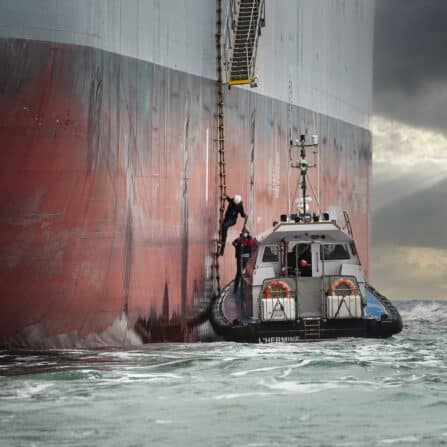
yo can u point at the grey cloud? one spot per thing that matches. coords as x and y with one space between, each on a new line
409 218
416 220
410 66
398 273
389 187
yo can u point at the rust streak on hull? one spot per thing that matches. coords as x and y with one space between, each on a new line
102 190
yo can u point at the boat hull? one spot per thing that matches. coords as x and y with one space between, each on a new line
381 320
290 332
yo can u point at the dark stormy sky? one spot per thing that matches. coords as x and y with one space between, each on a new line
409 211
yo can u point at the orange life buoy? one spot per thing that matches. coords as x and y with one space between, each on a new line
277 284
345 282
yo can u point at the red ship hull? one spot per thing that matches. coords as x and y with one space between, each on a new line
109 198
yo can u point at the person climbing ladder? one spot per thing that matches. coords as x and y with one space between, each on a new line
235 207
243 246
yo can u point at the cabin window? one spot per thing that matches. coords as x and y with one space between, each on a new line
271 253
334 252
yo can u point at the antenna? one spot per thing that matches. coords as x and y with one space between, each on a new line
303 164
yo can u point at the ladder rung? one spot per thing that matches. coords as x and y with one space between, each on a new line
243 40
245 25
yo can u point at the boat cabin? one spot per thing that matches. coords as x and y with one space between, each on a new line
304 280
304 270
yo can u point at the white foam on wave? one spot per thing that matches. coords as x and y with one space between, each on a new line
431 311
239 395
256 444
118 334
302 388
271 368
256 351
350 382
137 355
139 376
164 364
129 378
123 355
431 363
163 421
29 391
404 439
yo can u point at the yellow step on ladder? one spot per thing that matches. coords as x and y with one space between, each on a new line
245 18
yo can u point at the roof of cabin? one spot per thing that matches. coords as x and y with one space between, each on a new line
328 232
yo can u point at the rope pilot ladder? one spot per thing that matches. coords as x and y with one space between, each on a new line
220 144
243 27
244 21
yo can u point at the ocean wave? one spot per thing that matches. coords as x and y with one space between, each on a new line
26 391
403 440
423 311
271 368
239 388
290 387
230 396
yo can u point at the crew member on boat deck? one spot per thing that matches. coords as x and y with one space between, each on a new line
304 260
243 245
235 207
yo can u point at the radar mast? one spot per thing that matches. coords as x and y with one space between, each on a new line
303 165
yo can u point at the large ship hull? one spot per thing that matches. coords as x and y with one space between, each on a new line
109 190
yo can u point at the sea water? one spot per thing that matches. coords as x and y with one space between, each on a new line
347 392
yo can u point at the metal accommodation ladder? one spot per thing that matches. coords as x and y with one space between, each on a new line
245 18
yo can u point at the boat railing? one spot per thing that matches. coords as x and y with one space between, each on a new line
278 303
343 287
342 297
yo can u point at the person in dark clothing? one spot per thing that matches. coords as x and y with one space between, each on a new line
304 259
235 207
244 246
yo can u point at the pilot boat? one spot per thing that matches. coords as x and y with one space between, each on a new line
303 281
